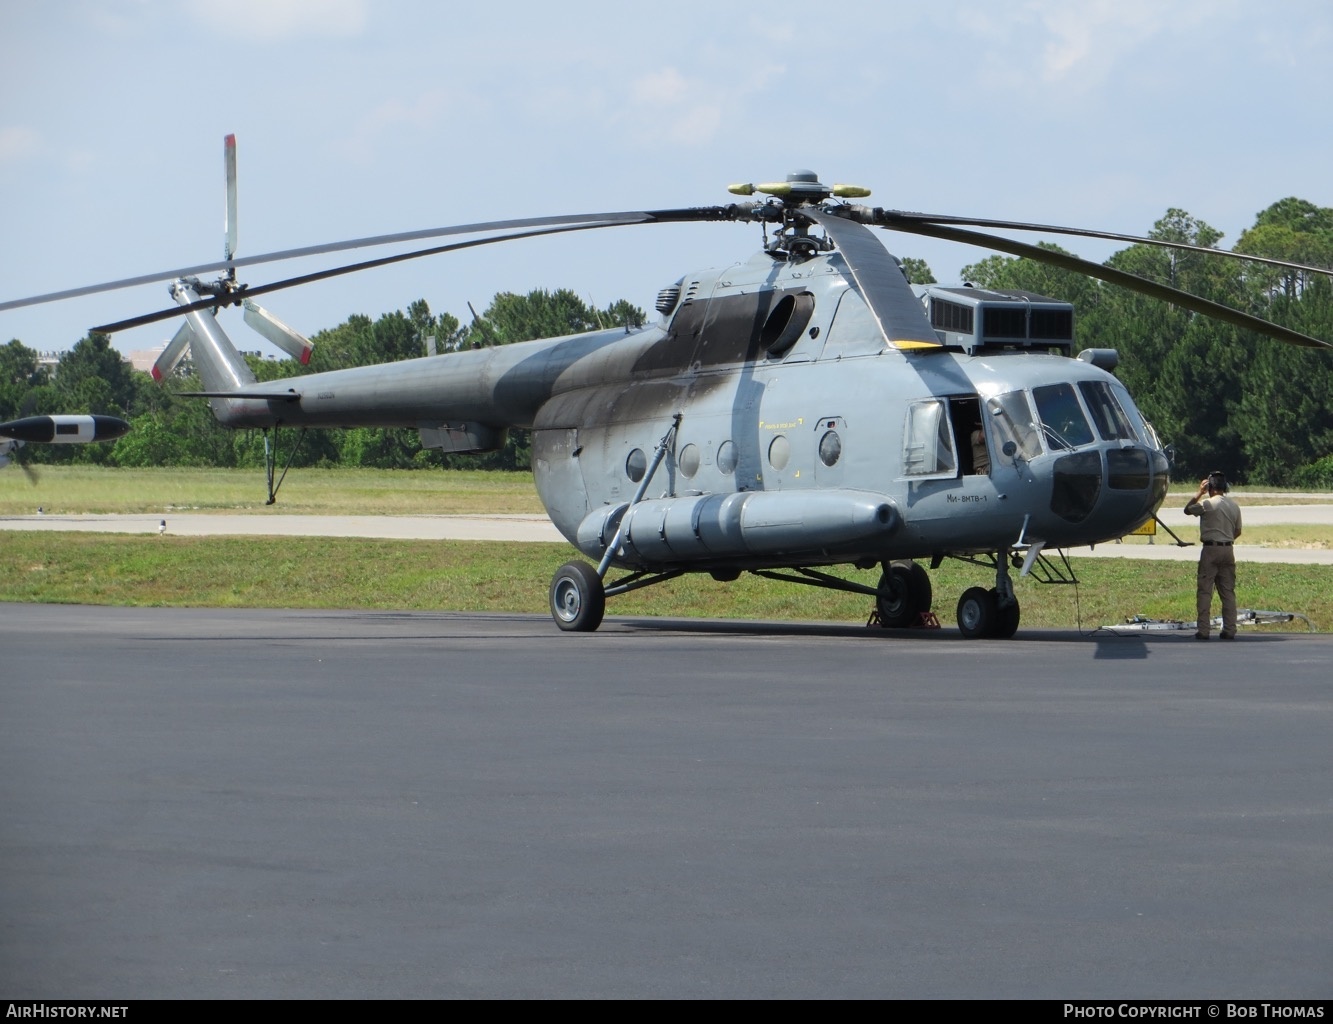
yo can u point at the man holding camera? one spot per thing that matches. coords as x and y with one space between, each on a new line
1219 528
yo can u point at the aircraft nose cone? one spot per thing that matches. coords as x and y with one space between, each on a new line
1077 486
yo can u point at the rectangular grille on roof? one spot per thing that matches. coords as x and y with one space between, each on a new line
1004 322
991 320
950 316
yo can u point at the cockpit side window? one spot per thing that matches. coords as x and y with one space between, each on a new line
1109 417
1064 423
928 445
1011 415
1142 427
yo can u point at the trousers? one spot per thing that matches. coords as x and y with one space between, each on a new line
1217 570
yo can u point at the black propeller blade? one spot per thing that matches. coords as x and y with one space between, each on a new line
1103 273
709 213
873 276
573 221
895 307
244 292
317 250
899 217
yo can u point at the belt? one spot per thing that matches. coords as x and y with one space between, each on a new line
1218 543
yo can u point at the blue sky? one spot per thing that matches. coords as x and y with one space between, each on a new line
356 118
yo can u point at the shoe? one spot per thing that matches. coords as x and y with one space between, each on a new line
1227 636
1200 636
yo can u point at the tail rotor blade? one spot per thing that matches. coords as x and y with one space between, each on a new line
172 354
292 342
229 159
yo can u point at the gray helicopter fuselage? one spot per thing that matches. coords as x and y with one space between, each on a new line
803 437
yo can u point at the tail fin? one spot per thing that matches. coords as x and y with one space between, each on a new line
220 366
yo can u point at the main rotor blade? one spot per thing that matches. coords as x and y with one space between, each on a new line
1175 296
880 279
735 211
242 294
637 217
902 218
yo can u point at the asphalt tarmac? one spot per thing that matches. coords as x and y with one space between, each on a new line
283 804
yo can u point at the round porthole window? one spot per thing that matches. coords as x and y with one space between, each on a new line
726 457
830 448
779 452
688 460
636 465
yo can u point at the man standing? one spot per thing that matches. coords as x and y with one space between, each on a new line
1219 527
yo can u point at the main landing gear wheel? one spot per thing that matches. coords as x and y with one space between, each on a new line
578 598
904 593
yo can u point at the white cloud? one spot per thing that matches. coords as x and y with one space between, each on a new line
388 118
667 86
1079 46
275 20
668 106
18 143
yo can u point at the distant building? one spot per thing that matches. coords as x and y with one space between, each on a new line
144 358
141 359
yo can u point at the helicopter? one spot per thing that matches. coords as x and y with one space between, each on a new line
790 413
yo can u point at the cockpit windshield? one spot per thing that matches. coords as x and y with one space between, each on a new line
1063 422
1113 424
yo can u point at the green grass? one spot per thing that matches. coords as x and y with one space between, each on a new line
77 489
67 490
418 575
327 572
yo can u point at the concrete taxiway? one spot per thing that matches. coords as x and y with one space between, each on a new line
284 804
537 528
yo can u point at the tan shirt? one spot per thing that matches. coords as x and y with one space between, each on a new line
1220 522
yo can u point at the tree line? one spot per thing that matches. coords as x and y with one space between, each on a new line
1220 396
166 430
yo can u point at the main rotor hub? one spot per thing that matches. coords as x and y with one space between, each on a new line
802 188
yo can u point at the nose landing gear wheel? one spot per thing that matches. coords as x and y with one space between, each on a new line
578 598
1006 618
977 613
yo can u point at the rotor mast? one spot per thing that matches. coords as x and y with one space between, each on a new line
801 191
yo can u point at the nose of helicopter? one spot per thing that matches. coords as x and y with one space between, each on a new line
1121 487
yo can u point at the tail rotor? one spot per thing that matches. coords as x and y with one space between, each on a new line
229 292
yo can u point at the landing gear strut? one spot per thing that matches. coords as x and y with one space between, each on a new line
578 591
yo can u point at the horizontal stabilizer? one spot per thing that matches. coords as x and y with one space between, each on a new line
291 395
